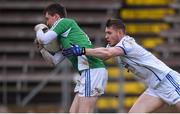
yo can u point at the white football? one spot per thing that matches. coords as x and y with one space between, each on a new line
53 46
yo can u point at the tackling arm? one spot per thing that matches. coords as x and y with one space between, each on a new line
52 59
104 53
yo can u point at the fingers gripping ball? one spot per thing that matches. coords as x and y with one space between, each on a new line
41 27
38 44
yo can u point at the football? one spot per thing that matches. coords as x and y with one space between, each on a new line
53 46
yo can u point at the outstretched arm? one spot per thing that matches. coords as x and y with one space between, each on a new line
104 53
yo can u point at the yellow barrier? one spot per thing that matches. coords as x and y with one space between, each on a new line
153 14
112 87
152 42
107 103
129 87
129 101
149 2
144 28
115 72
113 102
134 87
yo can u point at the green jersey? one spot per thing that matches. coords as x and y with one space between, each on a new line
70 33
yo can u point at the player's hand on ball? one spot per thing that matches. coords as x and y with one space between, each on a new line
74 50
38 44
40 27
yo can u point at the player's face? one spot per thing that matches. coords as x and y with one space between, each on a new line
112 36
50 19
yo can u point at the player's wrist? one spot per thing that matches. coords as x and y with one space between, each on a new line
83 51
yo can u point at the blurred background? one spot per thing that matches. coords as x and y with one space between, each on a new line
28 84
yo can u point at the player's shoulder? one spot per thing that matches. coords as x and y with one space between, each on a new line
128 43
67 20
64 21
127 40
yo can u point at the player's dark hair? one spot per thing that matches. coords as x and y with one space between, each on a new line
116 23
56 8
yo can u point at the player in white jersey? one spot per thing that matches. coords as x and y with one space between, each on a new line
163 82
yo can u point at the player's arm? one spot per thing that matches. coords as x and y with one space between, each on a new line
52 59
104 53
44 37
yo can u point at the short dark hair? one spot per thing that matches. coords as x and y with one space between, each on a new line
116 23
56 8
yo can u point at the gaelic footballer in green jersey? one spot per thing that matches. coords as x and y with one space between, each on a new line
93 79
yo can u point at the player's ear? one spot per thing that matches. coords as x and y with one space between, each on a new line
57 16
120 32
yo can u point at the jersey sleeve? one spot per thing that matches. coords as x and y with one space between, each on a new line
52 59
47 37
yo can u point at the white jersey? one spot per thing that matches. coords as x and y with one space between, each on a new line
141 62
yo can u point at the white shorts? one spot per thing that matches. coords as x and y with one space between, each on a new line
92 82
168 89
